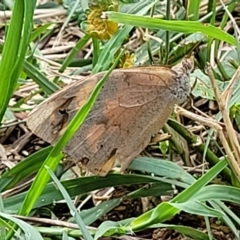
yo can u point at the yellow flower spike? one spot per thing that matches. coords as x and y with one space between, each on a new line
101 28
127 60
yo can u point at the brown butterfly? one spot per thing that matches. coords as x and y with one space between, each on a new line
133 105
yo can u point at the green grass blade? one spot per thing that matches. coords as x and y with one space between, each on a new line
218 192
71 206
163 212
40 30
188 231
91 215
79 45
193 10
96 51
201 182
51 194
39 78
222 207
161 167
29 7
198 208
171 25
23 169
30 232
15 46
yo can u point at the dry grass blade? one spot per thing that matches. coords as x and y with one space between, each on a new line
222 101
204 120
38 14
216 126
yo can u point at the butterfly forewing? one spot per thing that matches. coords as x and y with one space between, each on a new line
133 104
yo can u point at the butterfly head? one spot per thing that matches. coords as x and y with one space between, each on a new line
183 70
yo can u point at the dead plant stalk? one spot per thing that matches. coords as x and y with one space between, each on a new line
222 100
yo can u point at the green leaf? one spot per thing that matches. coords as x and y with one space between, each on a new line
202 85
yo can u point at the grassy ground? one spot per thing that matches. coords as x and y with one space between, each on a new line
184 185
